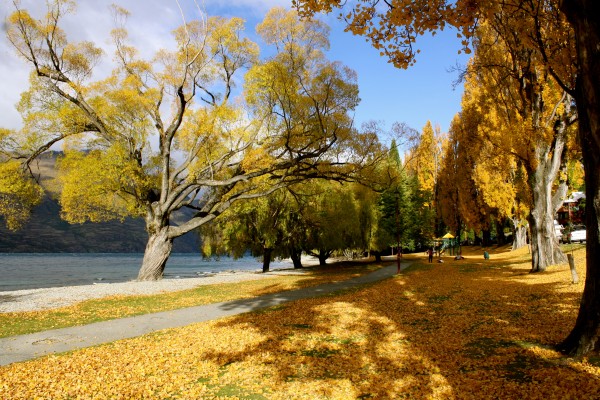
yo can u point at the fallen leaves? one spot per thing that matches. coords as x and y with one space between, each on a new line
460 330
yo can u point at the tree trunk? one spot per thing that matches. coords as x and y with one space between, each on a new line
500 237
158 250
519 234
545 249
486 240
377 255
544 245
296 256
583 16
323 256
266 259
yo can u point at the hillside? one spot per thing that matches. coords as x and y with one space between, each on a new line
46 232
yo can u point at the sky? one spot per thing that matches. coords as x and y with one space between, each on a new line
423 92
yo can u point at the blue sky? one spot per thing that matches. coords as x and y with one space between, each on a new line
423 92
420 93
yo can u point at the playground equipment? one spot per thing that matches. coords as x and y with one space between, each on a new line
447 242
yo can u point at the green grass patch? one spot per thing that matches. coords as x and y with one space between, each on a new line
569 247
319 353
238 392
337 340
301 326
439 299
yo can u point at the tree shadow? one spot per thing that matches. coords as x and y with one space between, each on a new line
275 296
444 332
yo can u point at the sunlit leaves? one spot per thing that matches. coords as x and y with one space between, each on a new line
257 158
100 186
18 194
304 40
432 333
27 35
394 28
80 58
304 98
426 158
231 51
508 140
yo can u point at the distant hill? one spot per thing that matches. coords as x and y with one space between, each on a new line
46 232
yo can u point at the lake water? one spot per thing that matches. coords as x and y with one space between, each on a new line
32 271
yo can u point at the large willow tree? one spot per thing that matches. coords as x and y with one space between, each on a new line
166 133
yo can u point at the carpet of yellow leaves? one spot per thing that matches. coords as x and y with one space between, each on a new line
469 329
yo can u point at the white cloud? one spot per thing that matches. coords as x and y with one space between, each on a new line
150 25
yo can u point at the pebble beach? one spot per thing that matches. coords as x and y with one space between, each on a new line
55 297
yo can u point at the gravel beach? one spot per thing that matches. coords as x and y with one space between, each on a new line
47 298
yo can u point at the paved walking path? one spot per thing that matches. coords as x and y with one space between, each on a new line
27 347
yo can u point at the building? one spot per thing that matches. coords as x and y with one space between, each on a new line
573 210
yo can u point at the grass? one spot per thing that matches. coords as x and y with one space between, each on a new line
86 312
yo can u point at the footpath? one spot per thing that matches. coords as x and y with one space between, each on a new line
27 347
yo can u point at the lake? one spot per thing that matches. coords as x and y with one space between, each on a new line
39 270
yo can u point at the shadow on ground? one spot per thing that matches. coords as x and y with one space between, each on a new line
459 329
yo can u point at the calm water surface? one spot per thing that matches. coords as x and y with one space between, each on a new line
32 271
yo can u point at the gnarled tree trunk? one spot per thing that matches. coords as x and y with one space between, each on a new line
519 234
544 245
545 249
583 16
158 250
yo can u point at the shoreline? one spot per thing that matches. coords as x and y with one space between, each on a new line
55 297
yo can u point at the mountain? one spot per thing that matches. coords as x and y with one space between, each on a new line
46 232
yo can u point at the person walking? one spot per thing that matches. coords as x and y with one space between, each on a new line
430 254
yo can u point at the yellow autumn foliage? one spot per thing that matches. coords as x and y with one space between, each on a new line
257 158
100 186
18 193
469 329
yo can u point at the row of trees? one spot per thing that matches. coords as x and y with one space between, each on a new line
512 142
387 208
535 73
318 218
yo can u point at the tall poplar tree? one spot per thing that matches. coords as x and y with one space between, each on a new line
528 114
